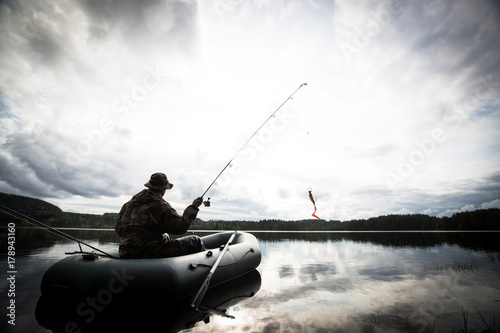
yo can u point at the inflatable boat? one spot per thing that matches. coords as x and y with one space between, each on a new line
85 286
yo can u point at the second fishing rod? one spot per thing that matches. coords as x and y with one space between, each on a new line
207 202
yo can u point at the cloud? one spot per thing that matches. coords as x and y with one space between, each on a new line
20 180
35 168
60 139
147 25
492 204
97 95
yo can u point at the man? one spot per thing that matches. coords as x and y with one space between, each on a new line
147 216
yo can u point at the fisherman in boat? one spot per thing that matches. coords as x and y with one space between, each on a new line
147 216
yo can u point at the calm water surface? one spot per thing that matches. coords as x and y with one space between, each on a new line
321 282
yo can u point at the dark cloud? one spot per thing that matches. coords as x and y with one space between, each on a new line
475 191
47 34
36 167
19 180
449 35
3 108
144 24
32 30
465 193
59 36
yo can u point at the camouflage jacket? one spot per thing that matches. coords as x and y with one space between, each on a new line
144 219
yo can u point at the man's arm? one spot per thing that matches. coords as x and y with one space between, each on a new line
176 224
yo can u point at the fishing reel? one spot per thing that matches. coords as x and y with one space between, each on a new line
207 202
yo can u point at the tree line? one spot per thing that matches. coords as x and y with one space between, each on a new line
484 219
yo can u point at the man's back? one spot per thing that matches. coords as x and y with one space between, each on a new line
142 222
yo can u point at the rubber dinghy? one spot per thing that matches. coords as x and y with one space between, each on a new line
169 278
86 285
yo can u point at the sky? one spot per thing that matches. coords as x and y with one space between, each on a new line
400 114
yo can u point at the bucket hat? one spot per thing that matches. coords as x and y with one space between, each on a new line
158 181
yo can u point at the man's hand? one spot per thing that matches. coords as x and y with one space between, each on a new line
197 202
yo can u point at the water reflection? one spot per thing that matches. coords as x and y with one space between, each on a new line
372 282
146 313
487 241
322 282
32 238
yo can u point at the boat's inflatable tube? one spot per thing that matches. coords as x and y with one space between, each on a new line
167 278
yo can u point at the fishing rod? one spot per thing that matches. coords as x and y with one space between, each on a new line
50 229
207 203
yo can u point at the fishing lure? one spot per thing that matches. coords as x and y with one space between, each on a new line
314 203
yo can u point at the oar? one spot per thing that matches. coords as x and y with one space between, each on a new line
195 303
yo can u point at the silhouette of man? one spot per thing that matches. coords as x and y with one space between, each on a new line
147 216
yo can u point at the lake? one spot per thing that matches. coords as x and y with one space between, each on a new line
317 282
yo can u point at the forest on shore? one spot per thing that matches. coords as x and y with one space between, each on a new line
42 211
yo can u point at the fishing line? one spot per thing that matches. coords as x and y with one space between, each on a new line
207 203
50 229
310 168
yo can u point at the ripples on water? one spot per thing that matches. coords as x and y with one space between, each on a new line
321 282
